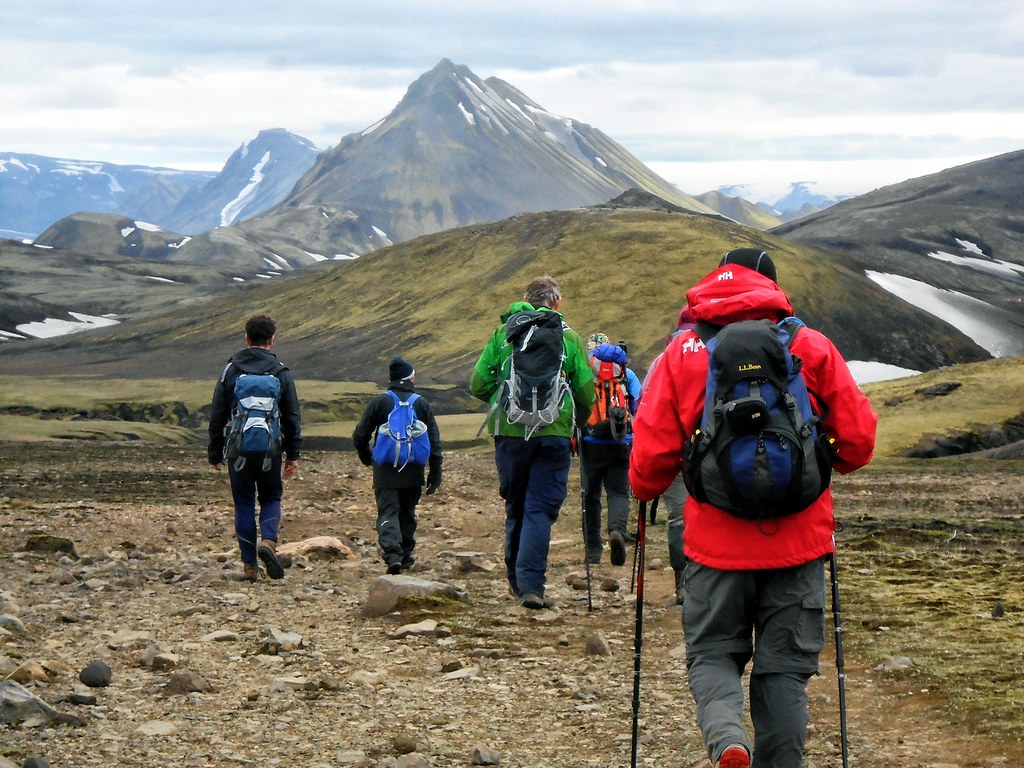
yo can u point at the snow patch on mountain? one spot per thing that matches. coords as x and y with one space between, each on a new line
991 328
230 212
53 326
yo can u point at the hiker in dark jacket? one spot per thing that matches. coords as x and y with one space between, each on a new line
250 483
397 489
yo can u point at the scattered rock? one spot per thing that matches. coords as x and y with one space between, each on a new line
472 562
220 636
19 705
29 671
462 674
12 624
411 760
938 390
423 628
317 547
576 581
597 645
485 756
96 674
279 640
44 542
404 743
157 728
186 681
895 663
386 591
487 653
129 640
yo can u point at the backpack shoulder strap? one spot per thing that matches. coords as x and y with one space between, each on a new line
706 331
791 325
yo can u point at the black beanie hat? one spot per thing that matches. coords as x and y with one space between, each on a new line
751 258
400 370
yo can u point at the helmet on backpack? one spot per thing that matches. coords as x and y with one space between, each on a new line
595 340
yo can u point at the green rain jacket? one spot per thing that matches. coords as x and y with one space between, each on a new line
493 366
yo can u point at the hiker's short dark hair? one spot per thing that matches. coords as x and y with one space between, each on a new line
260 329
543 292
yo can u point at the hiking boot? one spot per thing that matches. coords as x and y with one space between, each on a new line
735 756
267 554
250 572
408 563
594 558
394 568
535 602
618 541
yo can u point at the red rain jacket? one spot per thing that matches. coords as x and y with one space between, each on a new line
673 402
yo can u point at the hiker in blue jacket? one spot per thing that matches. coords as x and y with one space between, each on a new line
604 456
250 482
397 489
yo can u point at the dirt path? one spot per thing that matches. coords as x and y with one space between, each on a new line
153 527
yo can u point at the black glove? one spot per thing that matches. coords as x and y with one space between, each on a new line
433 481
366 457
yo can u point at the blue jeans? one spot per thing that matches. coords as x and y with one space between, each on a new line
533 478
250 485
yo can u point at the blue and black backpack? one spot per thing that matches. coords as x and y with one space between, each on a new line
254 431
761 452
403 438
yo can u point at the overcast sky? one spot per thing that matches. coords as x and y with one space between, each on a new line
849 94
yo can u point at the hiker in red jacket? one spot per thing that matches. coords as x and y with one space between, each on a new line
749 579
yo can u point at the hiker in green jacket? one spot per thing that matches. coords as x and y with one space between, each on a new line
533 434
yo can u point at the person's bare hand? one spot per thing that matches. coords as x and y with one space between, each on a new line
291 467
215 467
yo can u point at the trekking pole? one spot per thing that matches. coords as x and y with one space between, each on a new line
638 640
837 620
636 551
583 517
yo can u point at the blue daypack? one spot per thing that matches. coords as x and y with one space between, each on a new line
760 452
403 438
254 431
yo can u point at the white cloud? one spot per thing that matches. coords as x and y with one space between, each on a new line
183 84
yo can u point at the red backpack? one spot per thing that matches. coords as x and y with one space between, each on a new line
610 418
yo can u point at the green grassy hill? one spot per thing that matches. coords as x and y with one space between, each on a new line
436 299
176 410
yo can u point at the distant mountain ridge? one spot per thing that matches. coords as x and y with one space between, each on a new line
459 150
800 200
258 175
37 191
957 230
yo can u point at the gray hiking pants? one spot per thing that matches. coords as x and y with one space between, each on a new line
605 470
775 617
672 501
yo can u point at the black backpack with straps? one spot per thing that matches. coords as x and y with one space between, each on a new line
761 451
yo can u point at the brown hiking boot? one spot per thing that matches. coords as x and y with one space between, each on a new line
267 553
250 572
